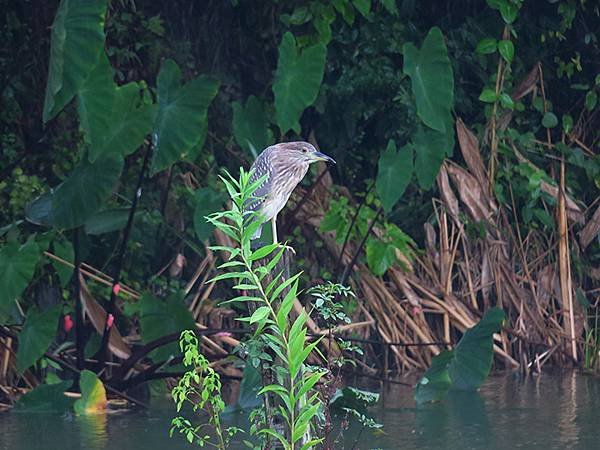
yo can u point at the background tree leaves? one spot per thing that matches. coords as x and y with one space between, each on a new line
76 42
297 81
251 126
181 122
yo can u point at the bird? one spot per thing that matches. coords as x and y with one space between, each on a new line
283 165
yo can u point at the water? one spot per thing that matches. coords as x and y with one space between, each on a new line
550 412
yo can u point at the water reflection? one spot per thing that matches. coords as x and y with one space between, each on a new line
550 412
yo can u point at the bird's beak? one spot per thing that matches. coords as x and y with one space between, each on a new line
318 156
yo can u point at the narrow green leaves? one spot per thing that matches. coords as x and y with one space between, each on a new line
432 79
181 122
260 314
297 81
394 174
76 42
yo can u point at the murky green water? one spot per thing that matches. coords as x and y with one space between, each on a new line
550 412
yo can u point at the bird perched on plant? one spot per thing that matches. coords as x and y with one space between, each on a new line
283 166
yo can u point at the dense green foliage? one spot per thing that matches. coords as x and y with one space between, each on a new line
92 91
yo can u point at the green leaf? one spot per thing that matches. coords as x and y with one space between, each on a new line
549 120
251 383
591 99
394 174
509 11
107 221
431 147
488 96
435 382
251 126
76 42
363 6
432 79
506 101
260 314
47 398
181 122
208 200
467 366
263 252
567 123
85 190
36 336
297 81
486 46
93 394
17 265
64 250
286 306
507 50
380 256
160 317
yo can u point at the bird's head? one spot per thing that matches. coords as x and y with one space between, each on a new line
301 153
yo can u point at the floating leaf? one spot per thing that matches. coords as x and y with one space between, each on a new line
47 398
181 122
251 126
297 81
467 366
432 80
76 43
394 174
36 336
93 394
17 265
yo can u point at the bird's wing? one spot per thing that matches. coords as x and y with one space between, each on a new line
261 167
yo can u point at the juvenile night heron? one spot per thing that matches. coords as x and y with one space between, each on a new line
284 165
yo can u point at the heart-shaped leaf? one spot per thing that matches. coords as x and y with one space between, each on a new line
395 170
93 394
431 147
297 81
431 78
467 366
251 126
47 398
76 43
107 221
36 336
17 265
181 122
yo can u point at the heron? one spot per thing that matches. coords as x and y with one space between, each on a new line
283 165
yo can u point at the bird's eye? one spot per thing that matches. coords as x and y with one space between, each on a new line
304 150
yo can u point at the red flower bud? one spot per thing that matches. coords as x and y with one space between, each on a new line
116 289
109 320
67 323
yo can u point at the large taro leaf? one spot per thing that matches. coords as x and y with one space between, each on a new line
107 221
93 394
380 255
297 81
76 43
17 265
394 173
36 336
46 398
431 147
251 126
181 122
250 385
208 201
85 190
160 317
467 366
432 80
112 118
